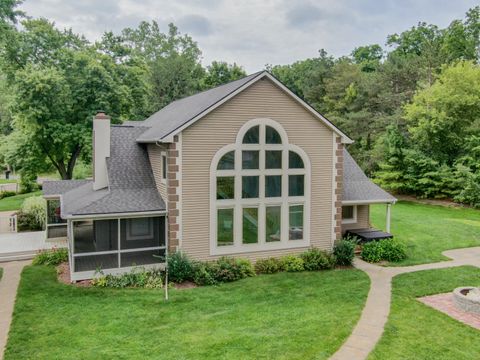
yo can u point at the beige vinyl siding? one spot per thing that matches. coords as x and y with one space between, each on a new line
155 156
363 219
204 138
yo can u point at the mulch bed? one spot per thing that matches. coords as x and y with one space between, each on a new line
63 276
444 303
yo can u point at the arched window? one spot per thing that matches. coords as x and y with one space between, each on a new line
260 189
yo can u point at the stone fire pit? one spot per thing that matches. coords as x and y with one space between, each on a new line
467 299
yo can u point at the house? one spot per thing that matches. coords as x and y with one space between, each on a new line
245 169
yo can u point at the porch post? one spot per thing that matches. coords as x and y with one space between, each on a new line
389 208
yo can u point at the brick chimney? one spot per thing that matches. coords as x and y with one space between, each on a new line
101 150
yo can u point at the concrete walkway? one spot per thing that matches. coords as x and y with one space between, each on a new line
369 329
25 245
8 291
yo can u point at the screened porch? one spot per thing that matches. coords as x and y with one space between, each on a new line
115 245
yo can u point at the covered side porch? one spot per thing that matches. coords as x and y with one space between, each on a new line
356 221
114 244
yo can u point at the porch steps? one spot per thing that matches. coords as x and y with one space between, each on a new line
19 255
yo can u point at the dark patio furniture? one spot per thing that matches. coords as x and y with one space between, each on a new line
367 235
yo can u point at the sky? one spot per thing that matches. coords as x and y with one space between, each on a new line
255 33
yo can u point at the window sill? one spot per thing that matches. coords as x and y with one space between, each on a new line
250 248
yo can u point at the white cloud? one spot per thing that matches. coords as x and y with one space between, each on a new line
254 33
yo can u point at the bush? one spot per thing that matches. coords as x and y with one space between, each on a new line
344 251
268 266
137 278
393 250
28 183
27 222
51 257
180 267
225 269
6 193
316 259
32 214
389 250
292 263
372 252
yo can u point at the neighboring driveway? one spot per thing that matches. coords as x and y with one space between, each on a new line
24 245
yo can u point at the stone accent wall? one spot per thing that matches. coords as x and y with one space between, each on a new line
338 189
173 192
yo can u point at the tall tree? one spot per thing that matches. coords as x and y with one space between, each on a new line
220 72
443 115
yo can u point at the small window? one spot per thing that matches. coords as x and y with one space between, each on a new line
273 215
139 229
250 159
164 168
227 162
250 225
273 186
273 159
349 214
295 231
225 227
272 136
294 160
225 187
250 186
252 135
296 185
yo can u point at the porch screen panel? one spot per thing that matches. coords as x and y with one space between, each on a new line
95 235
143 257
137 233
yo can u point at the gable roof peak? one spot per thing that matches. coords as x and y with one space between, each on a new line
180 114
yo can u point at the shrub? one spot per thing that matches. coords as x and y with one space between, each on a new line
390 250
51 257
180 267
225 269
372 252
6 193
27 222
32 214
292 263
268 266
230 269
28 183
204 273
137 278
344 252
393 250
316 259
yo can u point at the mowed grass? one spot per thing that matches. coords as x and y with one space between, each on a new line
417 331
428 230
11 203
5 181
304 315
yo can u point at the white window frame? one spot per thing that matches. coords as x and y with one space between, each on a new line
351 220
261 202
164 168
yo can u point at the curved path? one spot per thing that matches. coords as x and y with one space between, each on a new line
369 328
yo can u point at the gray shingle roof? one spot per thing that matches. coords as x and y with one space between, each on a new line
59 187
131 182
179 112
358 187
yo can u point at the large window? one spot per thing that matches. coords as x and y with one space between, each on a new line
260 192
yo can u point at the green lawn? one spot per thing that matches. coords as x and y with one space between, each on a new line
16 201
427 230
416 331
284 316
4 181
